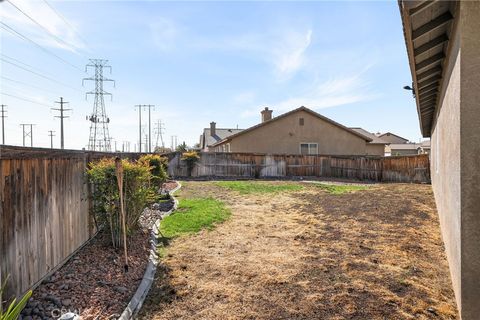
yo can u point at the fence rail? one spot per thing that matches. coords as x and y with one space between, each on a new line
248 165
44 206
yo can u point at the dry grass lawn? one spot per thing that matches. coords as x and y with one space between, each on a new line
309 254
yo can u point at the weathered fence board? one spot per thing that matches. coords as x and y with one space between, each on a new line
44 211
246 165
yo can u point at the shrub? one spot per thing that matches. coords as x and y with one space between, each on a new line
106 198
190 157
158 167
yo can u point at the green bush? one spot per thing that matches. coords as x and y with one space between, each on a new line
158 167
190 157
106 198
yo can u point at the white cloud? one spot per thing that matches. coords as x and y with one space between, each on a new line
290 51
41 13
336 91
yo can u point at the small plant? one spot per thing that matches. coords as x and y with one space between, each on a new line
137 191
190 157
14 308
158 167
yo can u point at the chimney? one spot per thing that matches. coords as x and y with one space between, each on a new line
266 114
212 128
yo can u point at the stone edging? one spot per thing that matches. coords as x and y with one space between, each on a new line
139 297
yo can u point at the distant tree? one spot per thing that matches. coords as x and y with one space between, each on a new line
182 147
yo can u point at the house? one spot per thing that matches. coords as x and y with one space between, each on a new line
213 135
392 138
443 47
301 131
402 149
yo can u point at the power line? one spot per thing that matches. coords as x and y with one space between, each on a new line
26 84
56 38
18 34
36 73
25 99
66 22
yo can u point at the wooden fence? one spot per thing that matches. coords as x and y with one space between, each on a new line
246 165
44 211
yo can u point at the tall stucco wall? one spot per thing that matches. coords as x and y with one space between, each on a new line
284 136
375 149
455 159
470 158
445 164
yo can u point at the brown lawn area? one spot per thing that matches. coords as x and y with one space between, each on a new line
309 254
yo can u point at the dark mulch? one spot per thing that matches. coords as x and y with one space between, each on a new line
93 282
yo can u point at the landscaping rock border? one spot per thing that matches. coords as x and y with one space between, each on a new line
138 298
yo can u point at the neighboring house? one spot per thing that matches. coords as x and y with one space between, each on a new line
300 131
213 135
377 145
392 138
402 149
424 147
443 47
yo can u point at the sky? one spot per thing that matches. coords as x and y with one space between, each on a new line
199 62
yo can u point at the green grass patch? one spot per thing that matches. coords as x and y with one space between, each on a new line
246 187
194 215
339 189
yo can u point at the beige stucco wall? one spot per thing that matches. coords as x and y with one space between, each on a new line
284 136
445 164
470 158
455 155
376 149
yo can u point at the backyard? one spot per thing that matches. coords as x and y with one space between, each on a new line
297 250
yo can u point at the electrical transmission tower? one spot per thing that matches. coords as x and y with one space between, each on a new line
159 132
61 116
3 111
99 137
27 133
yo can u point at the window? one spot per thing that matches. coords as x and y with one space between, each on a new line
228 147
301 121
309 148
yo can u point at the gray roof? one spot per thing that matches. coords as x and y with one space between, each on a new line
220 134
375 139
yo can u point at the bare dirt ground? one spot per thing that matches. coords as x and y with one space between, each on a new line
371 254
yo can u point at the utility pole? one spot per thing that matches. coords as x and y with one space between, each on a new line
3 122
159 132
146 142
61 116
27 133
51 135
139 127
99 139
149 106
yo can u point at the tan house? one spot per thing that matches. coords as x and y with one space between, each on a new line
301 131
443 46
